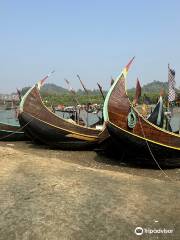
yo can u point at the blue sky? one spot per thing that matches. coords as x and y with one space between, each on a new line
94 39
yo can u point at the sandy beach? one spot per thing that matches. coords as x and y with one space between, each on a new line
51 194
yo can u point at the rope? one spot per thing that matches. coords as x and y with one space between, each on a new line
19 129
14 132
153 157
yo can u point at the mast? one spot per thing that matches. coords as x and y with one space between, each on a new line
86 91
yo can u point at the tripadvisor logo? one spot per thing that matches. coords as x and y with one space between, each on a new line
139 231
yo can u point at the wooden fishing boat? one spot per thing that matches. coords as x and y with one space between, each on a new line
44 126
132 132
9 132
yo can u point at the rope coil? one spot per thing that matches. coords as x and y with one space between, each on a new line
132 119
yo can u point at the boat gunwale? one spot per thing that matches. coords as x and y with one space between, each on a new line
131 106
43 105
146 139
90 136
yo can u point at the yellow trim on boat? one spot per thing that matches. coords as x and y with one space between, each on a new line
75 133
81 137
161 144
61 117
161 129
139 114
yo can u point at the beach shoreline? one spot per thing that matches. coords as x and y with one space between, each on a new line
53 194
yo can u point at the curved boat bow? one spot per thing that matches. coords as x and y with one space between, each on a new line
44 126
131 130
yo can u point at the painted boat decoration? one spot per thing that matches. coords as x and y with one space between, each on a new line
133 132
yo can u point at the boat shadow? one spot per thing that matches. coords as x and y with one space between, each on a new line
113 158
142 162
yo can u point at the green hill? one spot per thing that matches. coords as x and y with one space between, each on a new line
150 90
48 89
51 88
54 94
153 87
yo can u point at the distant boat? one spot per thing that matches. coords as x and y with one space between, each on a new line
131 131
9 132
43 126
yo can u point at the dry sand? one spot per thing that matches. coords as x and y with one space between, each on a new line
50 194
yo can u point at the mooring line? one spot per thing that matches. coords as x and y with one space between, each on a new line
152 152
18 131
21 128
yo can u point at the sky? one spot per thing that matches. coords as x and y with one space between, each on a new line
94 39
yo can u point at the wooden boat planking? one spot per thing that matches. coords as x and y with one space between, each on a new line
144 138
44 126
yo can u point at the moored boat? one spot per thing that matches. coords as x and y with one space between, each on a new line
44 126
133 132
10 132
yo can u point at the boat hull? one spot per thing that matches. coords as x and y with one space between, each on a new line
132 132
44 126
53 136
11 133
135 146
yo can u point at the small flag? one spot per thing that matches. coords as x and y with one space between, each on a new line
138 91
157 116
126 69
42 81
171 84
85 89
124 73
